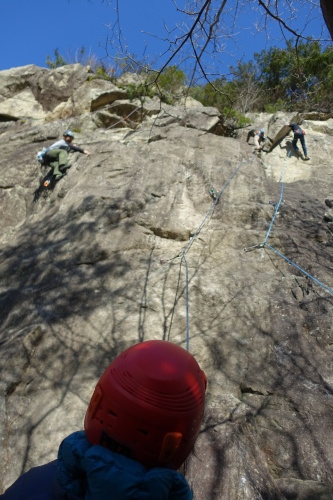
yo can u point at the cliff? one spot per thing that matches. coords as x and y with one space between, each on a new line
130 246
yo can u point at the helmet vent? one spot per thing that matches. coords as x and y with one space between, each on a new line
186 399
148 404
113 445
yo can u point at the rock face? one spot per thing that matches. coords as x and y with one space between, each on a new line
98 263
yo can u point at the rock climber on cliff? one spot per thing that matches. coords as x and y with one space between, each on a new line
141 424
258 137
299 135
56 155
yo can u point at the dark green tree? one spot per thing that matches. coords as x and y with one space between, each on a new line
223 95
298 76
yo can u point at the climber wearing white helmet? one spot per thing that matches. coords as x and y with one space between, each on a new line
57 154
258 137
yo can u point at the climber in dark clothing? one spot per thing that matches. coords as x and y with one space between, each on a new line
85 472
140 426
56 155
298 135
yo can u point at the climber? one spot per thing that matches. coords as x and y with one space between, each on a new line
258 137
140 426
298 134
56 155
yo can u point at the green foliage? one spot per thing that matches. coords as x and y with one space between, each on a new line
233 119
218 94
102 73
295 78
171 79
76 129
300 76
167 85
57 61
329 76
139 91
279 105
223 96
170 83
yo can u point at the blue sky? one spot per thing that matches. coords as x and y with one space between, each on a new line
31 30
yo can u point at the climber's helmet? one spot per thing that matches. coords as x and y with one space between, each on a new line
148 404
68 133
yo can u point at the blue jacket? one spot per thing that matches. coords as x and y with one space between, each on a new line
86 472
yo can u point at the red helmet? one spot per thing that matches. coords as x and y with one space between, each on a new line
148 404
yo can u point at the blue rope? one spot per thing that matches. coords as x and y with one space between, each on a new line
279 253
188 246
300 269
280 199
187 305
215 202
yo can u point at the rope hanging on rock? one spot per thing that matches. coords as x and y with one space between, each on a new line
182 255
280 199
265 244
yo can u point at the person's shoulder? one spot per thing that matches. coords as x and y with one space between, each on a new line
36 484
58 144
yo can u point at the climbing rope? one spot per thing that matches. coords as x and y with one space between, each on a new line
280 199
124 119
182 255
265 244
187 337
300 269
120 119
215 202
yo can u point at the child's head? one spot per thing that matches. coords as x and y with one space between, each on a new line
148 404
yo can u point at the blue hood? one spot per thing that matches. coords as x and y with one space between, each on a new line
96 473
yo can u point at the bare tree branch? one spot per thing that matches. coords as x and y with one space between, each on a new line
212 23
278 19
